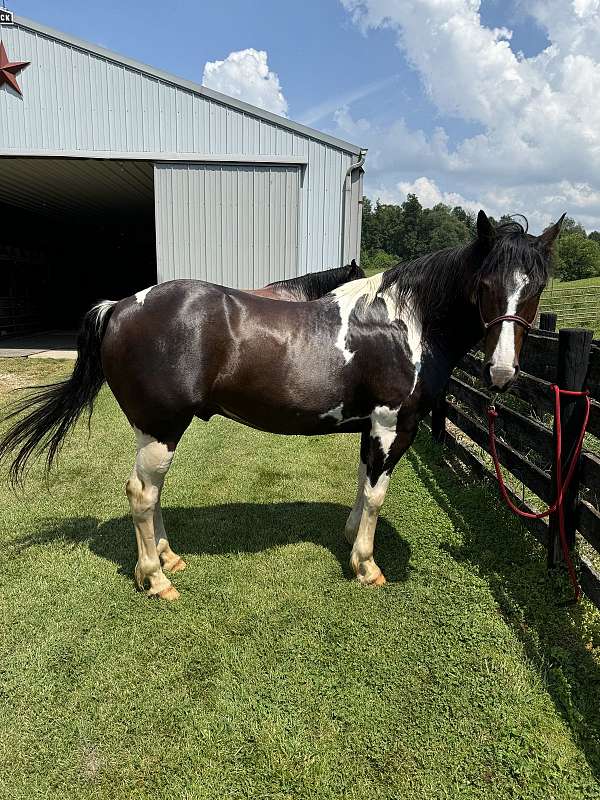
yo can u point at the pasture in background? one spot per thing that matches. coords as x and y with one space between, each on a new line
276 675
576 303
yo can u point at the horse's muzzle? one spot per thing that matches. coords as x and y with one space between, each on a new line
499 378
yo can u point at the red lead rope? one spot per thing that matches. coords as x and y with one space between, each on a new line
561 485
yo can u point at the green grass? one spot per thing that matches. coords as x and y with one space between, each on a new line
558 285
275 675
574 303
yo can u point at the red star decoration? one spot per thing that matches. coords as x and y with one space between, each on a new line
9 69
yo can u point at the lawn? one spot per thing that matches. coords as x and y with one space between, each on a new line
577 303
275 675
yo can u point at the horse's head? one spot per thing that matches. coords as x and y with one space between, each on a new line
354 271
507 292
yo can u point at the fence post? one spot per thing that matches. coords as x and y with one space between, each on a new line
574 346
548 321
438 416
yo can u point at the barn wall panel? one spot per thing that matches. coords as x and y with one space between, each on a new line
75 100
231 224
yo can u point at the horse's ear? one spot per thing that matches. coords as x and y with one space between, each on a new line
485 229
549 236
353 263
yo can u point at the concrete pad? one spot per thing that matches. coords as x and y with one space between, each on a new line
50 344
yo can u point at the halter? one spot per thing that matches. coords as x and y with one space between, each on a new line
503 318
507 318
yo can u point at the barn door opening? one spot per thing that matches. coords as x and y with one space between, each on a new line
231 224
72 231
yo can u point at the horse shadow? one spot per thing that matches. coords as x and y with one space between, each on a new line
227 529
554 634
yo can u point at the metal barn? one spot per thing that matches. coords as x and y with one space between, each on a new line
115 176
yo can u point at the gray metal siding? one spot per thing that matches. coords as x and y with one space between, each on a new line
353 216
231 224
78 101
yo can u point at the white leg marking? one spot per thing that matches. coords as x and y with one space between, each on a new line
141 295
383 426
143 489
353 520
361 560
502 367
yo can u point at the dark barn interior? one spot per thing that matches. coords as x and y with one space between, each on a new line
72 231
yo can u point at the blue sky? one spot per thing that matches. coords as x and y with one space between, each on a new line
388 84
317 52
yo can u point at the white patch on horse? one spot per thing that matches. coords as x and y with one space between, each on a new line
338 415
503 357
141 295
383 426
414 337
347 296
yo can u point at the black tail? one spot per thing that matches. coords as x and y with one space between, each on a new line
53 410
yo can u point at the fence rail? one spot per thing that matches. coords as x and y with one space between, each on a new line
526 438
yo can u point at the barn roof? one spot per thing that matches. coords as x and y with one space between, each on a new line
190 86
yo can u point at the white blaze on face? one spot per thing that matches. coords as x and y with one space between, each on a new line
502 362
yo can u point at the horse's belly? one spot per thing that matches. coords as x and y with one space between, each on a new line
283 418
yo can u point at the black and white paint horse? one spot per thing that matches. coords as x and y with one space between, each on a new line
370 358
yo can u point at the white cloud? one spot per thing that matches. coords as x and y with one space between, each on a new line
245 74
539 149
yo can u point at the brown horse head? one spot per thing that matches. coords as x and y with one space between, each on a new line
507 292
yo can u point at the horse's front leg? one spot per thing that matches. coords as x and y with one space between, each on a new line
386 444
353 521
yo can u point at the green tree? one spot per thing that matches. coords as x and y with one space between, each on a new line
577 257
572 226
409 230
466 217
442 228
377 261
594 236
409 241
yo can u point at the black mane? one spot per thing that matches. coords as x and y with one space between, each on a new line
317 284
440 281
514 246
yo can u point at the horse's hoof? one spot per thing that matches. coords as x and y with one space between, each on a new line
170 593
178 566
379 580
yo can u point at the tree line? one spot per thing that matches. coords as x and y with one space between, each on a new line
393 233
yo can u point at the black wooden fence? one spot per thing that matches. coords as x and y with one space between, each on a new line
526 440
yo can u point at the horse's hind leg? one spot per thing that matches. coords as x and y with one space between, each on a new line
143 490
169 559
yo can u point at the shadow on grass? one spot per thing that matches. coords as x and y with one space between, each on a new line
231 528
531 600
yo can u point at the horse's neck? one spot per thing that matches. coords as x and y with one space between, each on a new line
448 342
